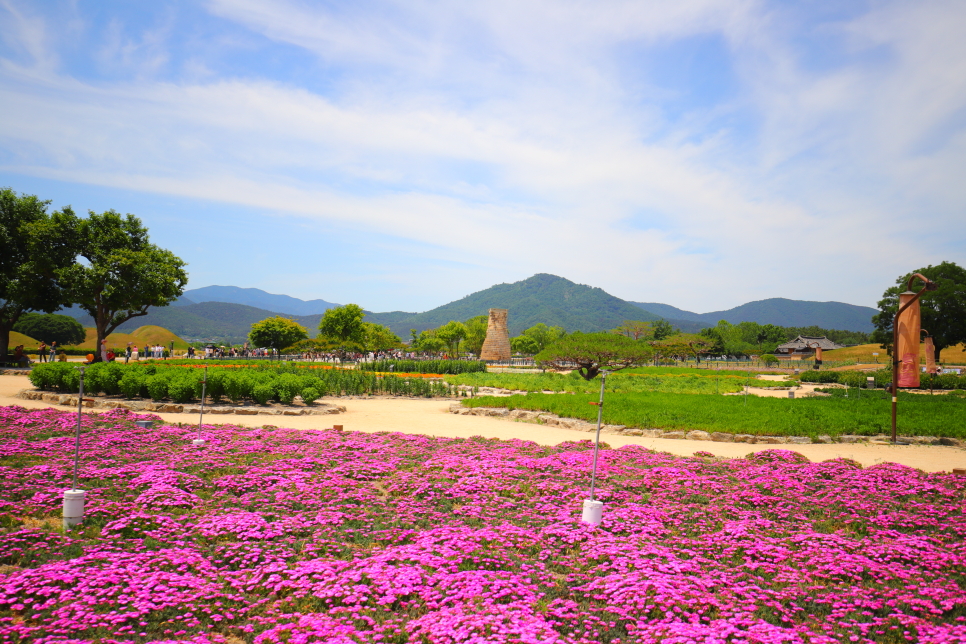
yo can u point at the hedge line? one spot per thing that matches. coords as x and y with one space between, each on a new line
883 378
183 384
425 366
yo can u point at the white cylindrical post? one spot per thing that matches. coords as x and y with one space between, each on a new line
73 507
593 512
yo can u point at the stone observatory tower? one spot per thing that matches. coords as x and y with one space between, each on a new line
497 343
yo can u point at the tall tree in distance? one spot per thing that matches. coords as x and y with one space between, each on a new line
277 333
943 310
343 327
475 334
123 273
31 254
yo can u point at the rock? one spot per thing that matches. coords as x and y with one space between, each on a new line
953 442
170 409
613 429
137 405
292 412
219 410
772 440
799 440
523 414
651 433
499 412
633 432
924 440
722 437
697 435
268 412
454 408
193 410
825 438
246 411
673 435
745 438
547 419
845 438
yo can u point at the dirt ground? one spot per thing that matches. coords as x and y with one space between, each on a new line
432 418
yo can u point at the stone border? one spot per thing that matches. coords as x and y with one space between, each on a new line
172 408
576 424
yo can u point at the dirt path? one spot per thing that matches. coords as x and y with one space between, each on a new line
432 418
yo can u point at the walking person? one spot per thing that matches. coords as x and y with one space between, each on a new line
134 352
127 353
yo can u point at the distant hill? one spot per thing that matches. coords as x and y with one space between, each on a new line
781 312
217 321
258 299
542 298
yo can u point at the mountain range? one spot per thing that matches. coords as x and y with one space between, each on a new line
226 313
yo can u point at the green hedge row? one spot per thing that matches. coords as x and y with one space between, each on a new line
425 366
183 384
883 378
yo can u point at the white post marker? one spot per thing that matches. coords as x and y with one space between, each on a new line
594 509
198 442
73 498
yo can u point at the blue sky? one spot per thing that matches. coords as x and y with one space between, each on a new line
401 155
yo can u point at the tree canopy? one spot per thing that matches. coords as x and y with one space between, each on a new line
376 337
277 333
943 310
32 252
343 326
124 273
62 329
594 352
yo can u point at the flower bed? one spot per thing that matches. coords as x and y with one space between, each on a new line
273 535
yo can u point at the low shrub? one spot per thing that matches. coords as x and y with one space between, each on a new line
263 392
309 395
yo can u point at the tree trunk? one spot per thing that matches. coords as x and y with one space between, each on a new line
5 339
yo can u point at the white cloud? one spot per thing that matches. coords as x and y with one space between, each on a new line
501 135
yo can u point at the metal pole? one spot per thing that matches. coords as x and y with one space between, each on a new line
80 405
198 442
600 415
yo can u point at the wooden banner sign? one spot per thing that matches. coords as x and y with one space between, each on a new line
907 349
930 355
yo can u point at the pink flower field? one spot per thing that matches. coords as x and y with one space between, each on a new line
277 535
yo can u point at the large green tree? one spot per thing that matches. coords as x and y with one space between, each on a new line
377 337
277 333
452 333
343 327
475 334
122 273
594 352
943 310
62 329
544 335
31 253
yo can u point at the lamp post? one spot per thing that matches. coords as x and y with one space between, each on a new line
906 300
73 512
594 509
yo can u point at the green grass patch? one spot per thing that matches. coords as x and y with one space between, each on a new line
859 414
674 381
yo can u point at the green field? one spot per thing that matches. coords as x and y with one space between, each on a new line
860 414
669 380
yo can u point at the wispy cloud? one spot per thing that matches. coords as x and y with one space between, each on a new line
518 137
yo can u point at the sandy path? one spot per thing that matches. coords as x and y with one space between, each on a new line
432 418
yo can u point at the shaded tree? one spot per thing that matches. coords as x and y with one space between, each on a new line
277 333
452 333
377 337
544 335
664 329
475 334
123 273
594 352
342 326
31 253
62 329
524 344
943 310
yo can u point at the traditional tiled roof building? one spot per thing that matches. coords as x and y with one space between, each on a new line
805 345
